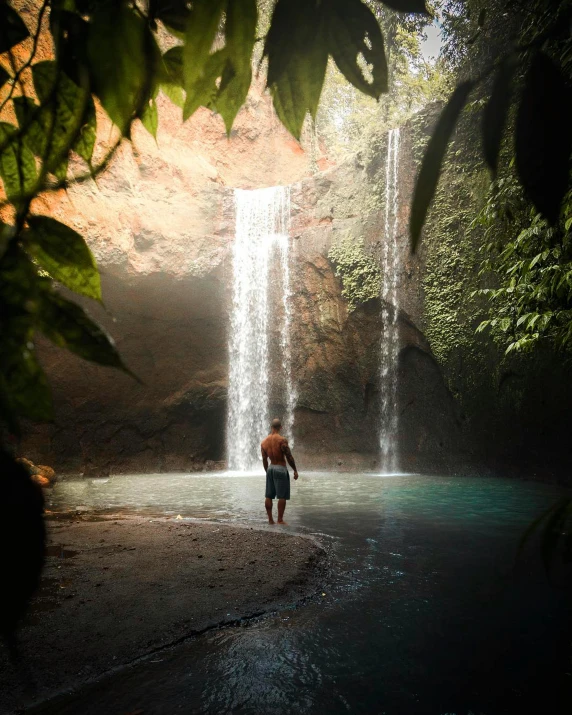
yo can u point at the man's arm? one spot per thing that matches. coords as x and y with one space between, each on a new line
289 457
264 459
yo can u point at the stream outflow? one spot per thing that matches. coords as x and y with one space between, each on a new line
426 612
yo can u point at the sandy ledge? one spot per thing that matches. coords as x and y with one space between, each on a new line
117 589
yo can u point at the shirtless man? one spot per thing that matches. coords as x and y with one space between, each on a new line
275 448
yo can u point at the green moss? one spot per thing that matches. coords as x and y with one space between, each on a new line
358 271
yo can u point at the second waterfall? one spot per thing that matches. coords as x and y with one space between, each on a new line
389 311
261 308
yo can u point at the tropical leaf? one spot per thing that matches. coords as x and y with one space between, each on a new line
68 326
4 76
297 51
122 56
202 25
496 111
174 13
17 164
150 117
543 136
25 388
435 153
12 28
354 32
64 254
240 35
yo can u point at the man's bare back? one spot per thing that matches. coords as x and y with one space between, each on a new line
275 448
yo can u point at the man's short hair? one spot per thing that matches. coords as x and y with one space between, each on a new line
276 423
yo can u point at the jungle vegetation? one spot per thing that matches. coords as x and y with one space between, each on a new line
511 57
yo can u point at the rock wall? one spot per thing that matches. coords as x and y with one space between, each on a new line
160 222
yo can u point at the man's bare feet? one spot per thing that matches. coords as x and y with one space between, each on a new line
271 521
283 523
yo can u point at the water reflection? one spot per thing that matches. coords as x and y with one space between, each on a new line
425 614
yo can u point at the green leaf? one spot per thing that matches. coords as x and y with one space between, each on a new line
204 90
23 384
174 13
65 120
122 56
297 50
434 154
64 254
416 6
68 326
17 164
172 65
496 111
353 32
240 35
150 118
4 76
543 137
12 28
170 75
202 25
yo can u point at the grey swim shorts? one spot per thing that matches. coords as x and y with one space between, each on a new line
277 482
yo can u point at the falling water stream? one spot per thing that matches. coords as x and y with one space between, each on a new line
261 243
389 311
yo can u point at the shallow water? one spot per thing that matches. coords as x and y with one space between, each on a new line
426 612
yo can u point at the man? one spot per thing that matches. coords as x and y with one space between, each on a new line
275 448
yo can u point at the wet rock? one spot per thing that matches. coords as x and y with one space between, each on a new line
41 474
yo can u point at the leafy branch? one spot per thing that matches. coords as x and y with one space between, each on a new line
542 136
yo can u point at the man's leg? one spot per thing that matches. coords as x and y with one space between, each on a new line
281 507
268 505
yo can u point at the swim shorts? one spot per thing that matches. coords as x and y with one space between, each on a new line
277 482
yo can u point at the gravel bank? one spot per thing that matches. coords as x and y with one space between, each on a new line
118 589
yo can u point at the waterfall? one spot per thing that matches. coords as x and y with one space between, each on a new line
261 252
389 312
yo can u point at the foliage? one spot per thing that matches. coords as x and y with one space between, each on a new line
348 119
527 267
358 271
540 68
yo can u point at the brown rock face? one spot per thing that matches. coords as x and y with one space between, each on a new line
161 222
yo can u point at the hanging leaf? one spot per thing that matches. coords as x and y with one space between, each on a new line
12 28
64 254
173 13
203 91
25 386
150 118
17 164
170 75
172 64
68 326
543 137
202 25
353 32
416 6
240 35
4 76
496 111
19 282
434 154
297 50
64 121
122 55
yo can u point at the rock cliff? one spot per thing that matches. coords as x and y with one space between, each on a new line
160 222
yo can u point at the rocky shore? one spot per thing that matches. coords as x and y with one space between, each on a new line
115 590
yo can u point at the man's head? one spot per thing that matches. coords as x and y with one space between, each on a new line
276 425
